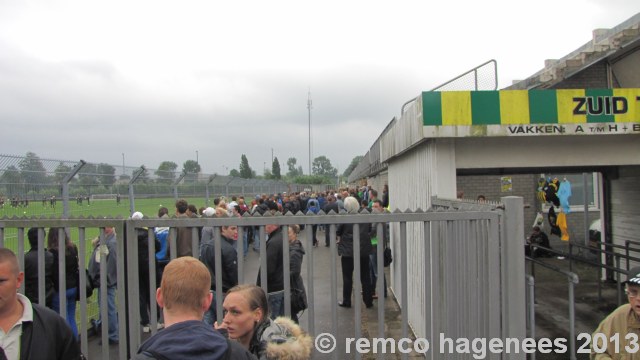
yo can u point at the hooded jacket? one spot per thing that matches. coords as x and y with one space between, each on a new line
280 339
185 340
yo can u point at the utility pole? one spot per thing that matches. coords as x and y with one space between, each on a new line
309 107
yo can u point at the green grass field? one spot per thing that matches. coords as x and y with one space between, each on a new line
98 208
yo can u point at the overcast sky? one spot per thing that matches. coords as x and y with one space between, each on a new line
159 80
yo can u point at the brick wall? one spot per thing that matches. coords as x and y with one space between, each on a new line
524 185
593 77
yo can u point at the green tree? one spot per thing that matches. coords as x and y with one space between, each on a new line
356 160
60 172
107 175
32 170
192 169
275 169
313 179
245 170
166 172
11 180
11 175
322 166
292 170
234 173
88 176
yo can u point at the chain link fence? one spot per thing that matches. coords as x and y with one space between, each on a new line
25 180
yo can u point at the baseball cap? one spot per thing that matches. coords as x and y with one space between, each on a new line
137 215
633 276
209 212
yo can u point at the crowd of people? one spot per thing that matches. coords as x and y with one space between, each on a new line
252 317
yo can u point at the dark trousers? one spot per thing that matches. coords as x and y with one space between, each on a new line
144 296
347 279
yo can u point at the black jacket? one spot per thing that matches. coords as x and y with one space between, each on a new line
229 262
31 275
71 267
275 269
329 206
345 246
296 254
48 337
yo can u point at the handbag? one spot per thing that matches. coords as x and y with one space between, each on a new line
298 300
88 285
388 258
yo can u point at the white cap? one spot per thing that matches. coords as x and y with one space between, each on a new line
137 215
209 212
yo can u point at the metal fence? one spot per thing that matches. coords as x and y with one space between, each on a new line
464 259
28 179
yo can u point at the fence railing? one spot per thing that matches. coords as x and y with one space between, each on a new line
469 238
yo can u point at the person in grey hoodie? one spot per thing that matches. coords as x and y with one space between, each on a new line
184 296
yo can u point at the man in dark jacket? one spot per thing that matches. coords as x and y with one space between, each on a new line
331 205
229 262
31 270
275 267
184 296
31 331
345 250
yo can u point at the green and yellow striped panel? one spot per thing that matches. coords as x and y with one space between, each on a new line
524 107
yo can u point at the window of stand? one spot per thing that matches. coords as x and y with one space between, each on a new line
577 200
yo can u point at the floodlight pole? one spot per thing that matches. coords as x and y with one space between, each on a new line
175 185
211 178
65 187
134 177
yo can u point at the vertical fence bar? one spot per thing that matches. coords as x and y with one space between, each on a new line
531 309
132 277
380 285
263 259
122 313
82 285
403 282
217 254
287 270
572 320
618 284
311 319
241 245
102 295
153 269
334 281
357 275
42 294
512 258
62 278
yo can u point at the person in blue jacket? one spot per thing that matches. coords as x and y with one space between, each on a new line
184 297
